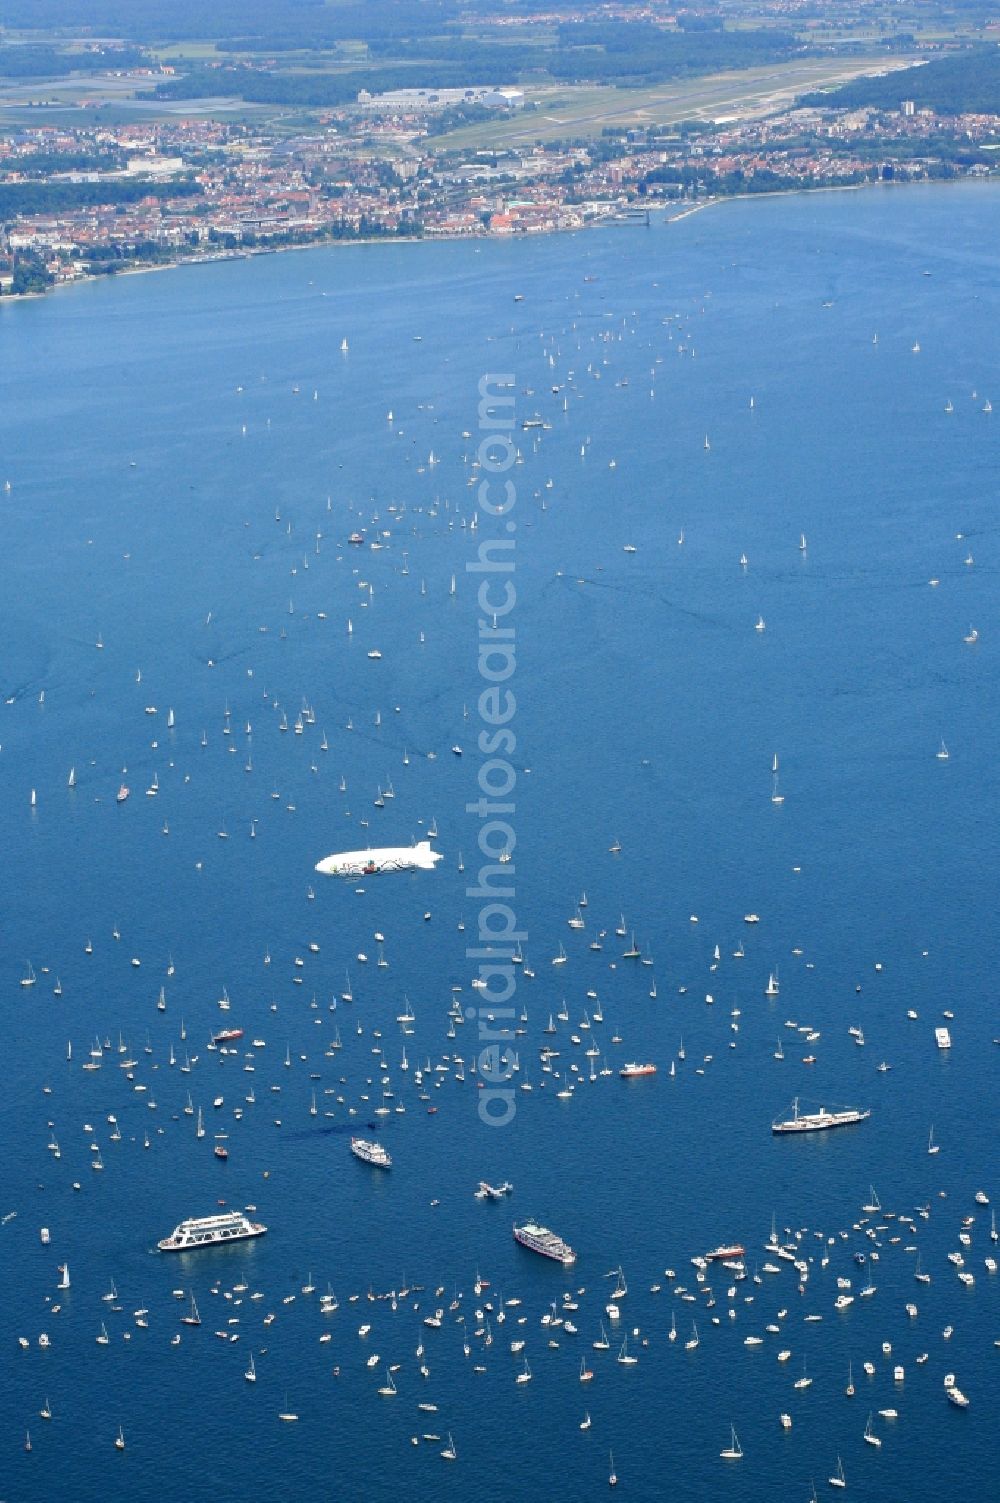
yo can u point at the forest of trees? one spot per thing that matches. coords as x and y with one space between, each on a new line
50 198
51 62
301 23
45 163
963 83
29 273
599 52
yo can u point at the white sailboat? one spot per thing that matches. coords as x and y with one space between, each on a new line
734 1451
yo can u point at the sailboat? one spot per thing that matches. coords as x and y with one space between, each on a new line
869 1436
932 1147
942 752
120 1439
612 1474
449 1453
192 1318
839 1480
71 780
874 1205
734 1451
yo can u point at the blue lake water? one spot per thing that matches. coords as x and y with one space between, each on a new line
178 493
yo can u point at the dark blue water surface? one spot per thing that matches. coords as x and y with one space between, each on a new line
178 493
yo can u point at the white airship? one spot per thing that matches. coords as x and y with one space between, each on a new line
393 858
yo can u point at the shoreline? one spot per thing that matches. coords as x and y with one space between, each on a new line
683 213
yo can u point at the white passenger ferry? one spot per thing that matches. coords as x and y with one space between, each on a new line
371 1153
818 1121
209 1231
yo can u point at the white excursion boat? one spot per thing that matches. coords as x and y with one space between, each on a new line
209 1231
817 1121
371 1153
540 1240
